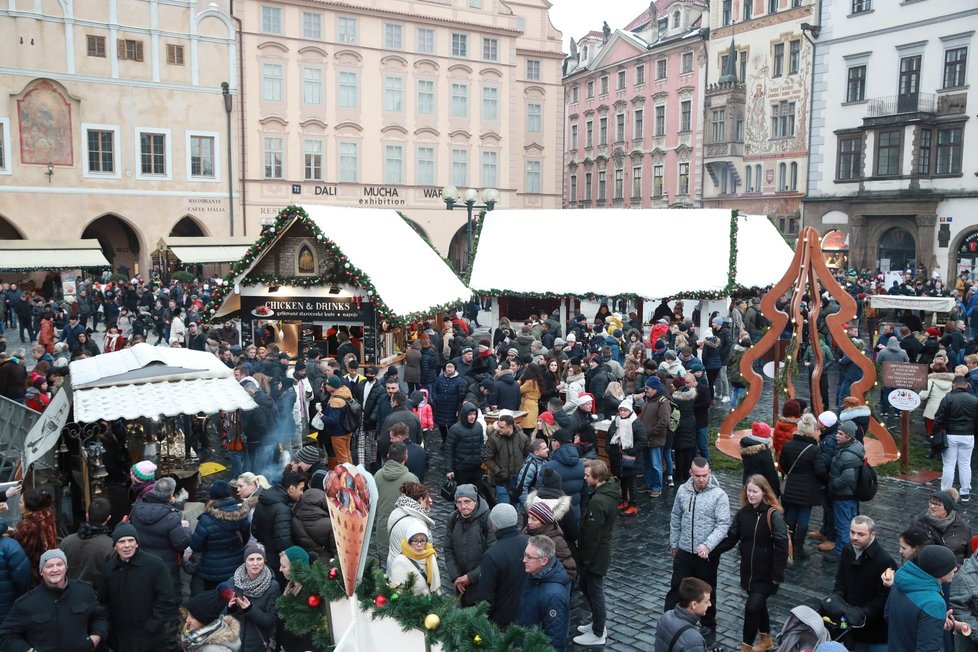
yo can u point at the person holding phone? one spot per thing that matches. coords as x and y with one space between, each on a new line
255 592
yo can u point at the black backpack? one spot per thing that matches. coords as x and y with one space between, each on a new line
352 415
867 482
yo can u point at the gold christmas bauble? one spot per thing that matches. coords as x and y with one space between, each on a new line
431 622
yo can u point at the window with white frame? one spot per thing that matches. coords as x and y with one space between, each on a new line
602 131
573 137
660 120
686 62
590 89
490 49
640 74
393 164
638 130
272 82
490 165
346 29
749 179
588 185
686 115
661 68
312 159
620 83
573 187
861 6
575 93
349 161
856 84
778 59
949 142
271 20
683 188
312 85
393 94
426 96
620 127
657 180
619 183
533 71
349 91
794 56
460 45
955 66
425 166
154 153
460 100
101 150
602 185
532 177
783 120
5 162
589 133
460 166
793 176
782 176
426 40
604 85
636 181
274 156
475 4
718 124
490 103
393 36
203 155
534 118
312 25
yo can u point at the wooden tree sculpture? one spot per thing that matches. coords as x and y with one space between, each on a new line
809 274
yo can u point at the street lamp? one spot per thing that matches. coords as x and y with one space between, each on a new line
488 197
228 106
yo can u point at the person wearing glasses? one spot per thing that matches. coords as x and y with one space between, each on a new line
546 601
417 564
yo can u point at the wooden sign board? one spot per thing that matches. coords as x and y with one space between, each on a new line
905 375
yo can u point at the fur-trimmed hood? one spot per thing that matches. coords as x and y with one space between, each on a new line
224 639
228 509
941 375
753 445
857 412
560 506
687 393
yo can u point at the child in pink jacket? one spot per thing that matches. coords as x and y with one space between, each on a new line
422 409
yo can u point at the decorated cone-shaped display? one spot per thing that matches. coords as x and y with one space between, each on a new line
350 494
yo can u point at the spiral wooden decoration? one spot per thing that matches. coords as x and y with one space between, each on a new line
808 274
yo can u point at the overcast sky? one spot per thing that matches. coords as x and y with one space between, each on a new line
575 18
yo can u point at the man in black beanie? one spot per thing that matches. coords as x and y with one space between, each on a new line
916 612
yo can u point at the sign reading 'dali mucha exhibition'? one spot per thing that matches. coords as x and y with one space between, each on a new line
306 309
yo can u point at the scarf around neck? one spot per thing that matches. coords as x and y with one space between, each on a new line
623 435
196 638
253 588
428 556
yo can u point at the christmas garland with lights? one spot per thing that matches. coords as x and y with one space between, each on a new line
438 616
732 288
344 272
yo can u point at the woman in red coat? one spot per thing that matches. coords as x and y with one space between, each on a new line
786 426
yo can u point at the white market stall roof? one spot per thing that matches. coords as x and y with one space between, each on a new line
613 252
899 301
148 381
407 273
199 251
27 255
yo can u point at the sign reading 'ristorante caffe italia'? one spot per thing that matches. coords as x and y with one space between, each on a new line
307 309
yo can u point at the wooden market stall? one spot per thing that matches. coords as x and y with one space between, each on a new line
322 270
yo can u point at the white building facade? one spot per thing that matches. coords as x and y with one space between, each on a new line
894 151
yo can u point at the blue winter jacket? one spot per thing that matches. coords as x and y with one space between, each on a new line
915 611
446 399
566 461
219 539
160 532
546 603
15 574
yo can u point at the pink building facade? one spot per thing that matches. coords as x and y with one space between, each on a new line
633 112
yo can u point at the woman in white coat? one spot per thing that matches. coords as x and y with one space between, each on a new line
938 385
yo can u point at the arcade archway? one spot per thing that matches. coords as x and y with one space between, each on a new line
8 231
187 227
119 240
457 249
897 249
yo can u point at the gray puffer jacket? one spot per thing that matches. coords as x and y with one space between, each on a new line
699 517
844 472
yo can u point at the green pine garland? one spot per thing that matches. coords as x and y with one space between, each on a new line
460 630
346 273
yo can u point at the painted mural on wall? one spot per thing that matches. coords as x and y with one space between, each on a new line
44 117
764 92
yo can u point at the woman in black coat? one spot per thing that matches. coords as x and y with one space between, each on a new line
806 475
684 439
446 398
256 591
763 555
626 441
757 455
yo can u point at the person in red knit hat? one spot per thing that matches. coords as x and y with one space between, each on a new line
755 452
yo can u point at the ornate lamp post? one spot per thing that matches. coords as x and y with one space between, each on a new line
468 198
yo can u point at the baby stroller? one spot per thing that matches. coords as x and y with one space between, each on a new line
803 630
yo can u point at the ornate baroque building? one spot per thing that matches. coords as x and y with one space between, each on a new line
633 105
756 108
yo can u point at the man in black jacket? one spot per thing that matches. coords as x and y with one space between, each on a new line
60 614
501 573
136 589
400 414
369 392
958 417
858 581
271 524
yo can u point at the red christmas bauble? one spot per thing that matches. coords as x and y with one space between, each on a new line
333 572
380 600
314 601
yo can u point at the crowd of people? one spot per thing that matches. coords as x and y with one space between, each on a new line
514 415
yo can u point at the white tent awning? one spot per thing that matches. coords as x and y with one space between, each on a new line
898 302
50 254
203 255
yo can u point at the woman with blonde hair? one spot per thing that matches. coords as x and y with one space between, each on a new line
759 531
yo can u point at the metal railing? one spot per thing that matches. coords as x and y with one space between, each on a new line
897 104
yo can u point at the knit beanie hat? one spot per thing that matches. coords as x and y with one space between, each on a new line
807 425
760 429
143 471
254 548
849 428
547 418
54 553
827 419
334 381
503 515
653 382
937 561
124 530
542 512
296 554
206 607
466 491
551 479
308 454
220 489
947 500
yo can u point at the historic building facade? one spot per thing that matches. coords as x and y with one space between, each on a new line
757 96
633 105
382 105
112 123
894 150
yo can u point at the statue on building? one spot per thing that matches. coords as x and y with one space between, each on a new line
606 31
653 14
573 48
